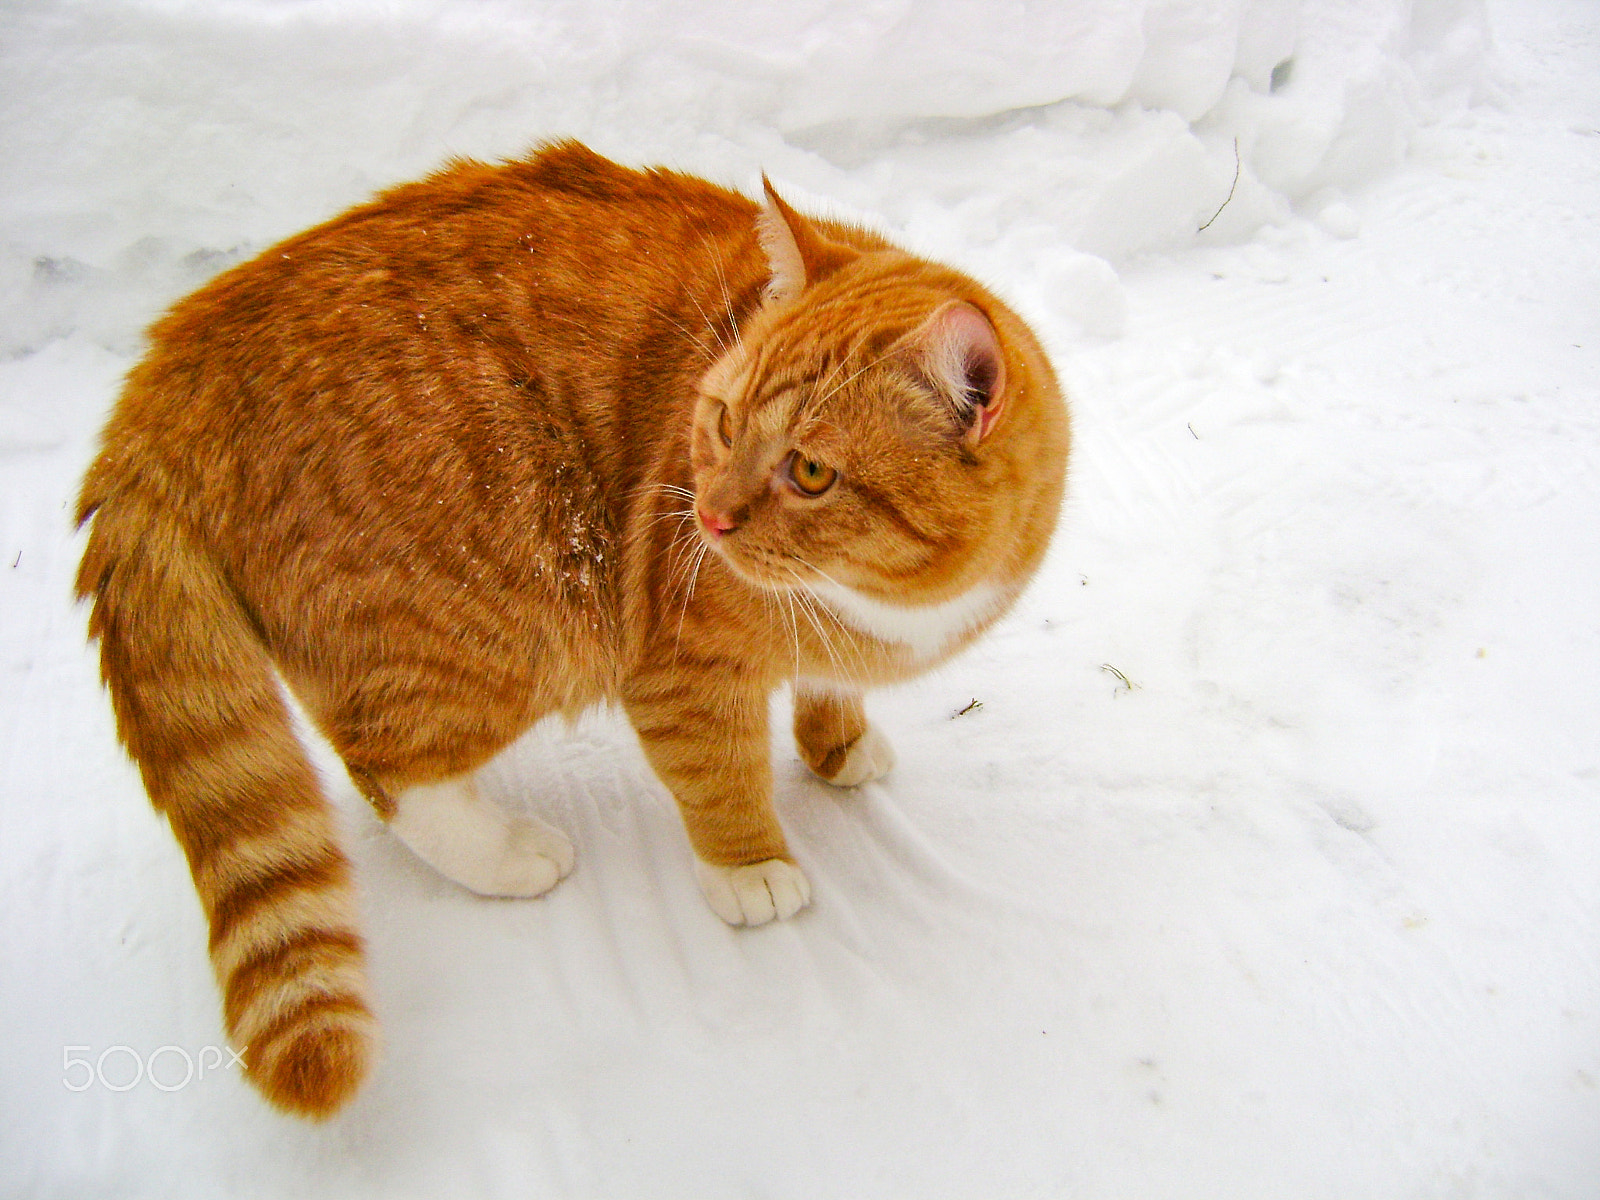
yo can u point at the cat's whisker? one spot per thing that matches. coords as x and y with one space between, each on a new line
688 596
815 611
722 344
776 605
799 594
683 517
769 606
694 576
838 365
722 282
821 606
670 513
675 489
696 338
813 567
794 629
681 566
686 551
818 401
680 515
853 376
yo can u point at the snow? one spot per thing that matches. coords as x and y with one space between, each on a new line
1268 862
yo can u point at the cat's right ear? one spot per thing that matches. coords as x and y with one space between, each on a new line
959 354
797 254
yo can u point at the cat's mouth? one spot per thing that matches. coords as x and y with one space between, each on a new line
751 564
757 565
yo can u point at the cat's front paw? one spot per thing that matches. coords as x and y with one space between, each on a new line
756 893
871 757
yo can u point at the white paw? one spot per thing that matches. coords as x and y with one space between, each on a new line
870 758
754 894
478 844
533 859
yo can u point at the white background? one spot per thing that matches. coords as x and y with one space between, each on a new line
1312 910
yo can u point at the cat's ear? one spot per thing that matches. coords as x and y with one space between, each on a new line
797 254
959 353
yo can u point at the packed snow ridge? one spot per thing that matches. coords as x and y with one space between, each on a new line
1118 127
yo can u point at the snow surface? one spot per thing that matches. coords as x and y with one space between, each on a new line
1269 865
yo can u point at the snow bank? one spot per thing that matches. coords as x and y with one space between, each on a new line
158 142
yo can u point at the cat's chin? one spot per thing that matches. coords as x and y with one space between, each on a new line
766 577
762 581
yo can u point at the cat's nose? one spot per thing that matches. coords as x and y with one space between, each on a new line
716 523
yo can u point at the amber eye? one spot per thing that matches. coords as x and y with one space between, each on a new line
810 477
724 425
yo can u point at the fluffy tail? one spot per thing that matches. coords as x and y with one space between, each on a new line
198 707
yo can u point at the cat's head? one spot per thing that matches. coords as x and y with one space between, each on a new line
885 432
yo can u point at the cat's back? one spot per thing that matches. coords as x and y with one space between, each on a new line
492 253
482 301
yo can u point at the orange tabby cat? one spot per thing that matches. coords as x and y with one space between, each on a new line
509 442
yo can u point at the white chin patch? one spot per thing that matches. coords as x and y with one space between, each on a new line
925 629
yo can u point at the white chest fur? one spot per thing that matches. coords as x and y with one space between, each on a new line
924 629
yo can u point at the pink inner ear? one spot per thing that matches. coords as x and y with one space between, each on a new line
985 419
785 261
963 354
797 254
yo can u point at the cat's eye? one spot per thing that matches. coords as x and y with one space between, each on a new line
724 425
812 478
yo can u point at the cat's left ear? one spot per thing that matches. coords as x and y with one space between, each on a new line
959 353
797 254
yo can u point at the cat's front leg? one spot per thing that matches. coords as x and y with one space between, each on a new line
835 738
707 741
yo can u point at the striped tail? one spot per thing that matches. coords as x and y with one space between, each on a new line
198 707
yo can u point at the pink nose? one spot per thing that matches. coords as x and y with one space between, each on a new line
715 522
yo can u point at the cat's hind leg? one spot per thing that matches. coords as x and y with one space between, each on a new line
476 843
835 738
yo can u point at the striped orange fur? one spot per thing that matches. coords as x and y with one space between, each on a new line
509 442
